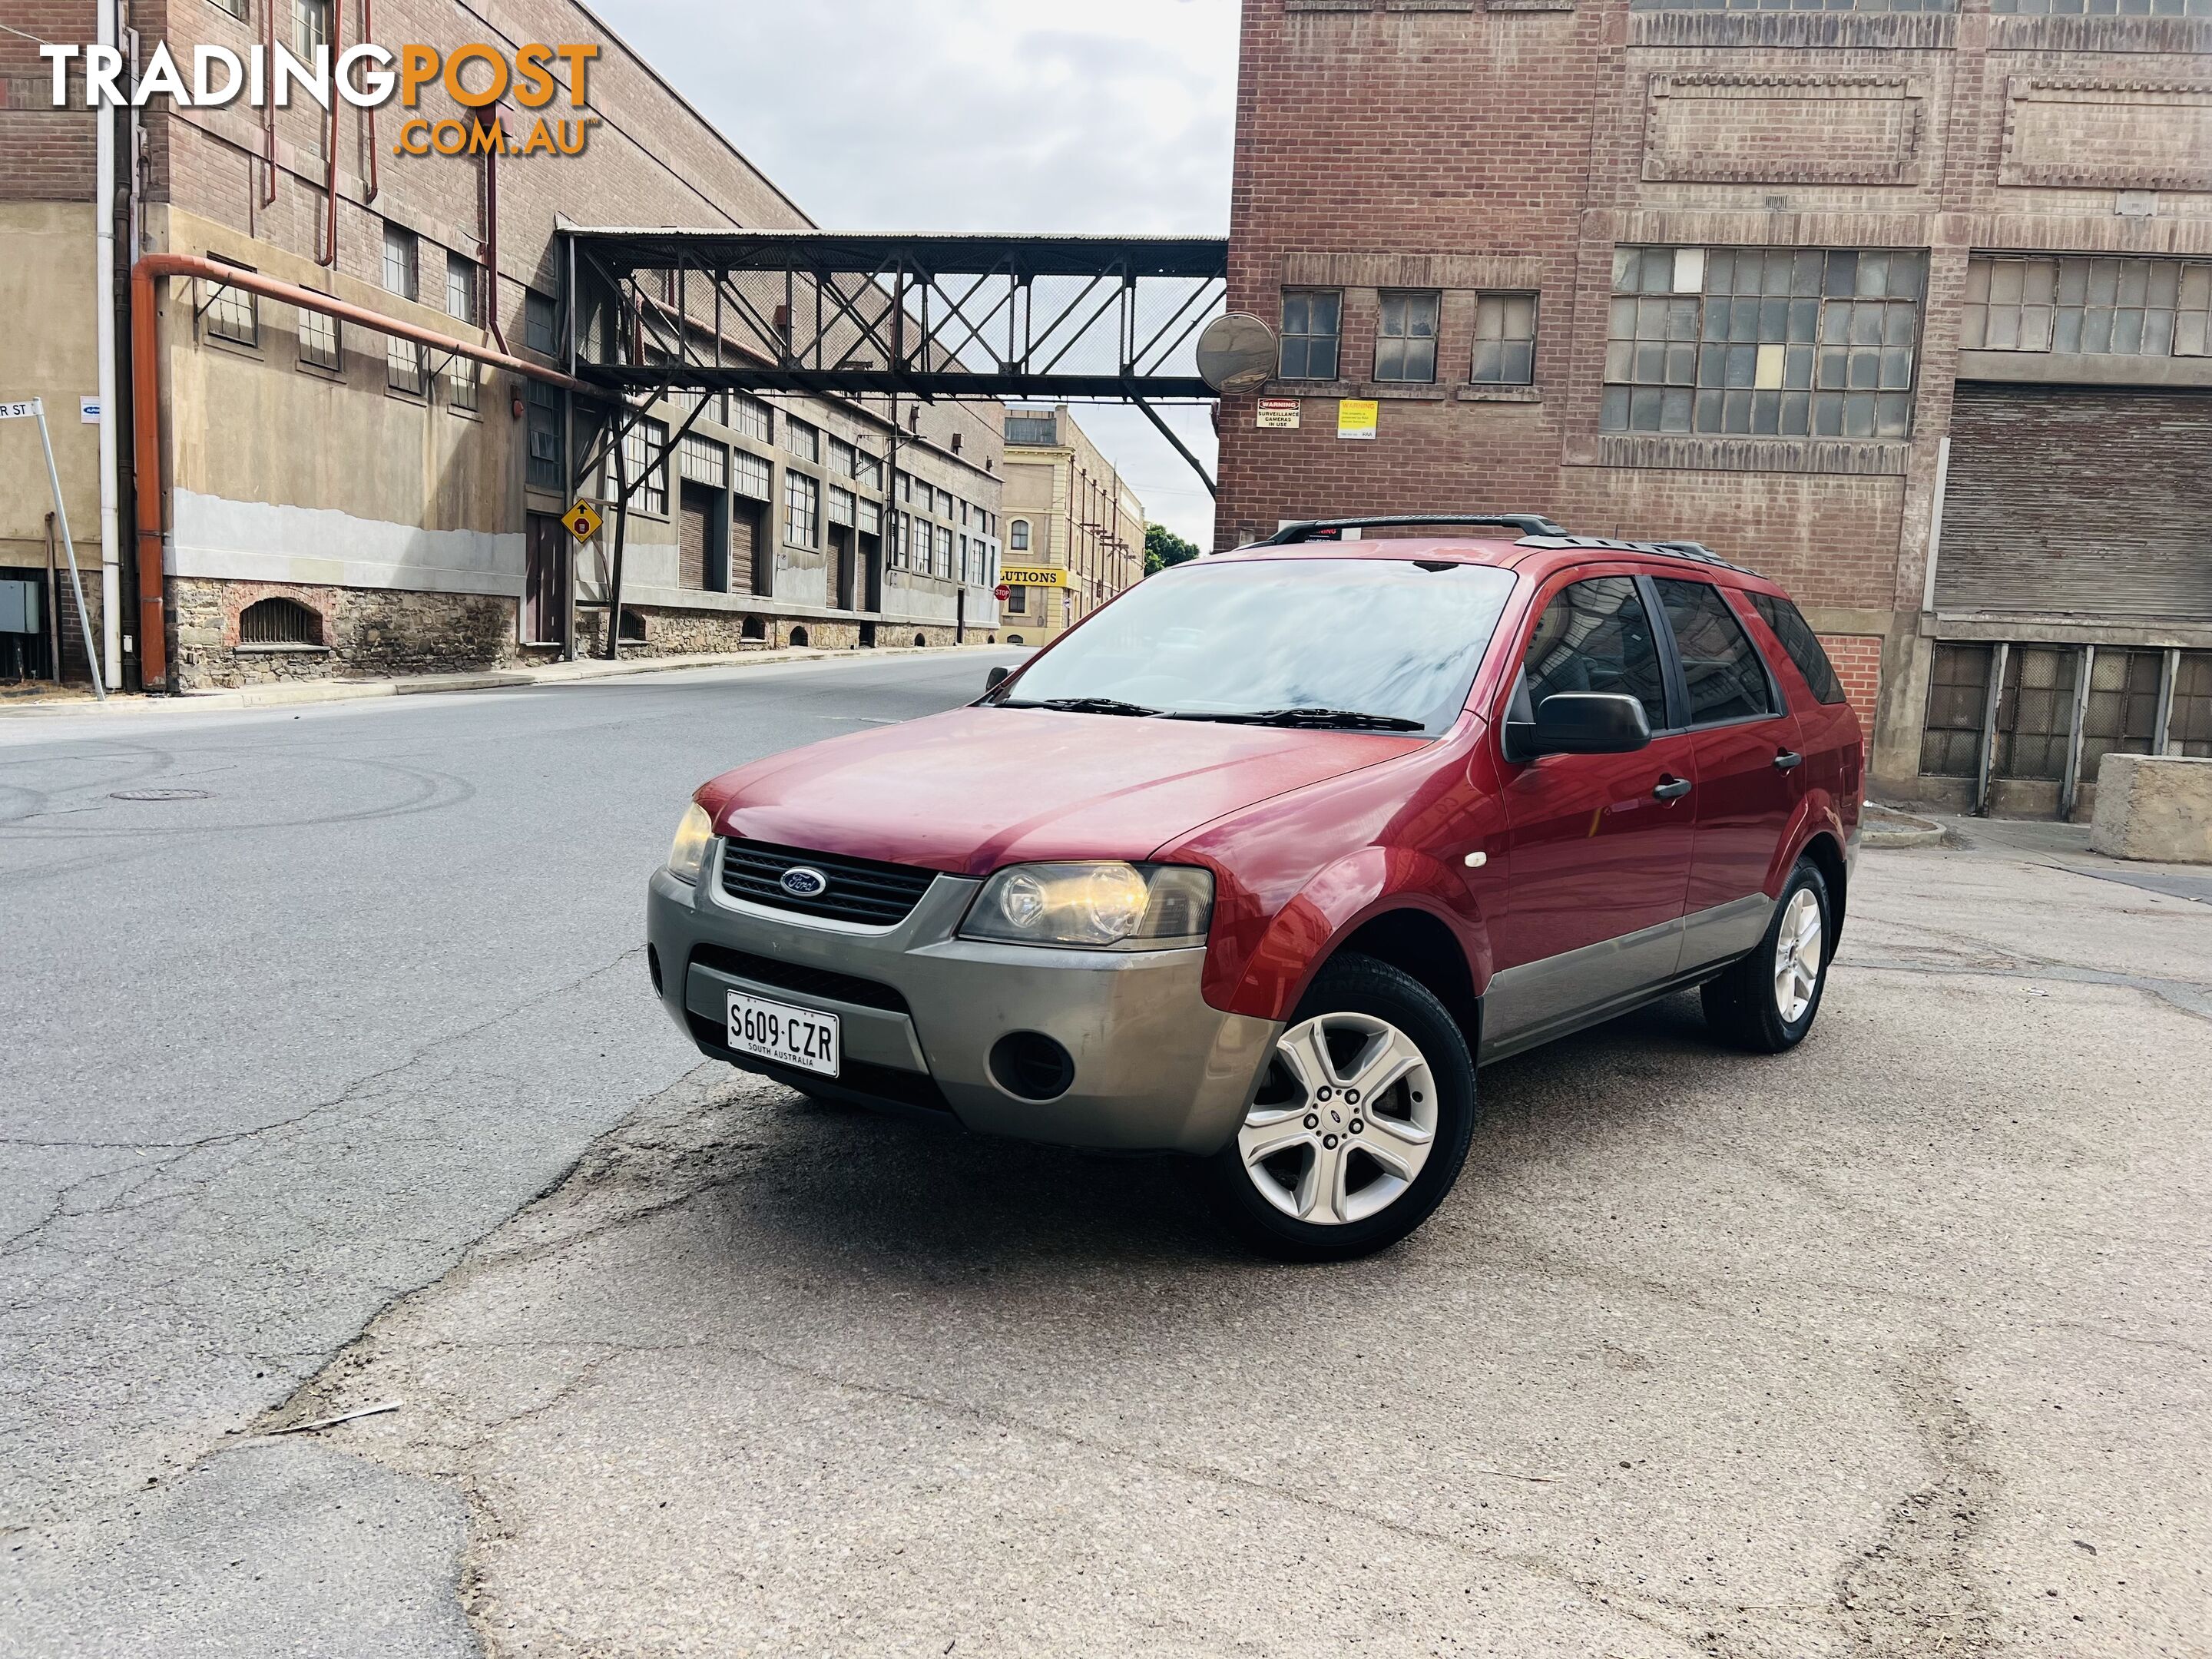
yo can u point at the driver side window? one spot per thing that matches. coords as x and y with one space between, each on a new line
1593 636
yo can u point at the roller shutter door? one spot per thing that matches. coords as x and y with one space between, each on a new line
2078 500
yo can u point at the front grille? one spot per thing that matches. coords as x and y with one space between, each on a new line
800 976
859 889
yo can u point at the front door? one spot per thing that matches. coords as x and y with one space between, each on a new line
544 583
841 567
1599 845
1749 785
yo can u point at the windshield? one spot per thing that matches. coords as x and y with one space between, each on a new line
1295 642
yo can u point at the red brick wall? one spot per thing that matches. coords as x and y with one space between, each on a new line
46 154
1858 660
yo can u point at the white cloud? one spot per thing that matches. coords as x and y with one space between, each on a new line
1077 115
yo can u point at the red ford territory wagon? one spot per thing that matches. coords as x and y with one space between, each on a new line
1262 860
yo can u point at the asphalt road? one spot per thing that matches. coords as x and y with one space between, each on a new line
1894 1345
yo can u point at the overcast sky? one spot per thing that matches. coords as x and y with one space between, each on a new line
1014 115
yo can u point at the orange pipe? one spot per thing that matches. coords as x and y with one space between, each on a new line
146 414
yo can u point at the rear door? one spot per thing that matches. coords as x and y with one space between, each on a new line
1749 767
1599 845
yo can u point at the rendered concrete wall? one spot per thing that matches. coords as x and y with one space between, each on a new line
2156 808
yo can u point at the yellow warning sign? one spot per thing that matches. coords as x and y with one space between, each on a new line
1355 417
583 521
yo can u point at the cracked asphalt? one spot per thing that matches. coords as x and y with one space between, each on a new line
1893 1345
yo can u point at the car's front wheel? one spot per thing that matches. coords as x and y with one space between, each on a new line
1765 1001
1360 1125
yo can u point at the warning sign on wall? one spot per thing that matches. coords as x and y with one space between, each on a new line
1355 417
1277 414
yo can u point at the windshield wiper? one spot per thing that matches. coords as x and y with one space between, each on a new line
1345 720
1082 705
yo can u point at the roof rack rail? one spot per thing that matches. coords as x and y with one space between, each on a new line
1331 529
1695 550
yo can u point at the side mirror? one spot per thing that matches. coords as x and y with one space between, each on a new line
999 672
1582 723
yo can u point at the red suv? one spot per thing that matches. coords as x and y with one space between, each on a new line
1262 860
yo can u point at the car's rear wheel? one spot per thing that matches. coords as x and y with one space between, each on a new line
1765 1000
1360 1125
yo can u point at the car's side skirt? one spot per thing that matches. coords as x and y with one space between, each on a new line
1538 1001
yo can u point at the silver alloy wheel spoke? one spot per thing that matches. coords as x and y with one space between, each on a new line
1298 1153
1797 948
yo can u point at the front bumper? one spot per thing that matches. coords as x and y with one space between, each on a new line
1156 1067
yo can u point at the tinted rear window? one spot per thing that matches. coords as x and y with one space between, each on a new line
1726 680
1803 645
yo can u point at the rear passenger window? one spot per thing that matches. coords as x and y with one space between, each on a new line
1596 636
1802 644
1726 680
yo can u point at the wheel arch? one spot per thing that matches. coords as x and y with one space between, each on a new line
1826 854
1420 945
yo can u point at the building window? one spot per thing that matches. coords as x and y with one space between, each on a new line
461 383
1406 338
1312 322
2104 8
544 408
537 323
2120 308
867 469
841 458
802 440
750 475
1958 698
406 368
1018 536
1765 342
802 509
1018 601
401 274
943 503
748 417
1809 5
2035 713
1031 428
645 453
1505 340
318 339
232 314
2120 714
945 549
311 28
703 461
235 7
2189 728
460 288
279 621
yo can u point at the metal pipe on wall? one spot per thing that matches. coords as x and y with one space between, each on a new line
103 274
146 414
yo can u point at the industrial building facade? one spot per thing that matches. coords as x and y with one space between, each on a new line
335 499
1075 530
1907 306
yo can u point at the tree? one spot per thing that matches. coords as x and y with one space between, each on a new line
1163 548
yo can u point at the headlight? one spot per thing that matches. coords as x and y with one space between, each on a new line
687 854
1093 905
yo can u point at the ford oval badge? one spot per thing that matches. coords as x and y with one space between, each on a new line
804 881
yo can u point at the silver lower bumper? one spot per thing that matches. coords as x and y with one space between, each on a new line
1156 1067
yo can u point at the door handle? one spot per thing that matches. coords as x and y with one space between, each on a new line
1670 788
1788 760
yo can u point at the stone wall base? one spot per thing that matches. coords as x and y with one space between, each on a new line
365 634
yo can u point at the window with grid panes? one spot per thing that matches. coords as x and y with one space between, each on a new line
645 455
1505 340
945 549
2035 713
543 425
841 458
318 339
1796 5
2101 306
407 367
750 475
750 417
538 323
1958 695
802 440
460 287
1312 327
1764 342
802 509
1406 338
702 460
2121 714
2189 726
232 313
461 383
311 28
401 276
2103 8
235 7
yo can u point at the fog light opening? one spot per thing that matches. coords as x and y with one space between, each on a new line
1030 1065
652 967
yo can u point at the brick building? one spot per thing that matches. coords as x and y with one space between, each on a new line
338 500
1903 305
1074 527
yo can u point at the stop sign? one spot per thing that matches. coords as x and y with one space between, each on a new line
1002 593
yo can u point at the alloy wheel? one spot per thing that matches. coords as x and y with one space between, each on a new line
1797 945
1343 1122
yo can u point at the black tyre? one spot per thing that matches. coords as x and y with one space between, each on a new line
1361 1124
1765 1001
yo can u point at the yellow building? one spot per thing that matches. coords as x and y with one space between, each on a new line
1072 527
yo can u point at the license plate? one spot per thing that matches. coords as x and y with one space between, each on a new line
804 1038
